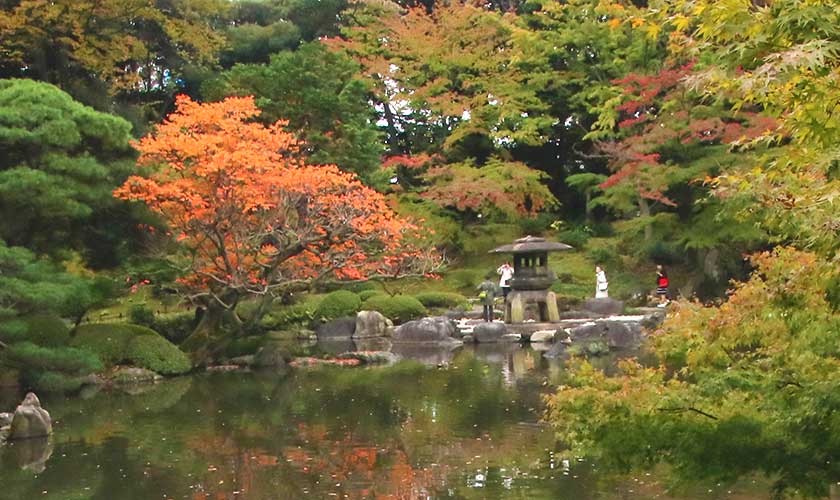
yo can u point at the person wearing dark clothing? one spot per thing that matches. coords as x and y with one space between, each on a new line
662 284
487 294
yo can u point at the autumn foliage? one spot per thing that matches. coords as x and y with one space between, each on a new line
254 216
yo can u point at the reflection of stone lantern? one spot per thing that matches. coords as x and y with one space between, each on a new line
532 279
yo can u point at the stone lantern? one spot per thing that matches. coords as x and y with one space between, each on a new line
531 280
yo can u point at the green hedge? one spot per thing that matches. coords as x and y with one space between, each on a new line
441 299
337 304
157 354
400 308
135 344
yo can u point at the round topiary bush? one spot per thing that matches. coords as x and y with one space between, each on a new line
441 299
137 345
109 341
400 308
337 305
155 353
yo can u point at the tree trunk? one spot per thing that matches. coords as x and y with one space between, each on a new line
644 210
209 328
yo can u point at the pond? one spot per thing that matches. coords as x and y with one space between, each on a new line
467 428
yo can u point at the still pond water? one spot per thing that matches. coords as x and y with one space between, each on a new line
420 429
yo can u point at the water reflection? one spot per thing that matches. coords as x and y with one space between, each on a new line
464 427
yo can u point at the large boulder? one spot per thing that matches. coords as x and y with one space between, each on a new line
604 307
341 328
438 329
30 420
615 334
487 332
371 324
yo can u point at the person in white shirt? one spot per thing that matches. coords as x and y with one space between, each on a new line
506 271
601 283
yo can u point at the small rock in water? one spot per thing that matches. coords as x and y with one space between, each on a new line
30 420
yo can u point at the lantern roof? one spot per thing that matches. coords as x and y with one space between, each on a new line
531 244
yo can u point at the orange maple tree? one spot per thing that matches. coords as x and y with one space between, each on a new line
254 217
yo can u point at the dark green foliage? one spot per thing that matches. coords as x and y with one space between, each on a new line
441 299
35 358
29 284
537 225
337 304
157 354
174 327
602 256
141 315
832 293
400 308
54 382
317 91
663 253
576 237
59 162
45 330
241 346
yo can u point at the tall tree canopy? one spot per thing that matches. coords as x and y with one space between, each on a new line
133 44
318 92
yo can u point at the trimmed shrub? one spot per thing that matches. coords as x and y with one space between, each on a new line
366 294
441 299
155 353
400 308
109 341
337 305
138 345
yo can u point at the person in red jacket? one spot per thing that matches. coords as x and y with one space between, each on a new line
662 285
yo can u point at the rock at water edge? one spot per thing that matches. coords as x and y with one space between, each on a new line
542 336
371 324
438 329
30 420
341 328
485 333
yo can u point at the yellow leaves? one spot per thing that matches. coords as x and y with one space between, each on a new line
680 22
653 30
614 23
